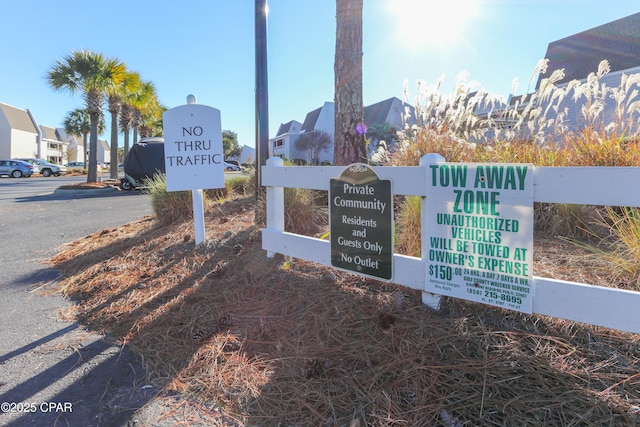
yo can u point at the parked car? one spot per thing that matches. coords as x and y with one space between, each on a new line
237 164
15 168
46 168
144 160
75 165
231 167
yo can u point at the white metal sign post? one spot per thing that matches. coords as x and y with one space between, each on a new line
193 154
480 233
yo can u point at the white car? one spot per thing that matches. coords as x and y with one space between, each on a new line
231 167
46 168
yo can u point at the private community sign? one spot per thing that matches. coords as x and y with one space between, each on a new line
480 233
361 217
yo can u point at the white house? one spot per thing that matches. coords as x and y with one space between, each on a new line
247 155
19 134
52 148
281 145
284 143
393 112
103 153
580 55
75 146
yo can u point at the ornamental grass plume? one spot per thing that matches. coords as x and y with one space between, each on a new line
470 125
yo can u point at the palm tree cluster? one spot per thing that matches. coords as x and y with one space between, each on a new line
131 101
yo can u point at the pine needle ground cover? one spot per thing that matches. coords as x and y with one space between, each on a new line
253 341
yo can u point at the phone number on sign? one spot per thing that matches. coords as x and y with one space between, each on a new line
12 407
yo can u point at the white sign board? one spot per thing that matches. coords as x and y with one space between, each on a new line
193 153
480 233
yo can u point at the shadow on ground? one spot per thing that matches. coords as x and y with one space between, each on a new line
79 378
79 194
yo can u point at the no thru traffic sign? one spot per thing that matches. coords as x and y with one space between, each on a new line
194 157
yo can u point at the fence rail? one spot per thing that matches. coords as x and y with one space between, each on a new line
581 302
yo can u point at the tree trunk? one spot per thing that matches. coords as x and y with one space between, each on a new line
126 141
92 170
349 144
113 158
85 148
94 99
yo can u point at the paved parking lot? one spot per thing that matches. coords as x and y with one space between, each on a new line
53 372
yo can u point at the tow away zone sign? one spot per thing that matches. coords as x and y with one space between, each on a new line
480 233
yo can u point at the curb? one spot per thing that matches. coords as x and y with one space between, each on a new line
85 192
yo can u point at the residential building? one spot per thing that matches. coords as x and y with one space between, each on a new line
384 119
21 136
52 148
580 55
284 141
19 133
103 153
75 146
247 155
392 112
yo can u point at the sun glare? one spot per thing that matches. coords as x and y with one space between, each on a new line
432 23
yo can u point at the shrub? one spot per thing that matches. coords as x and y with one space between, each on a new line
408 231
241 185
168 207
305 211
624 246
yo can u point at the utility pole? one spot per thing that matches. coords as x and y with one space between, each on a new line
262 91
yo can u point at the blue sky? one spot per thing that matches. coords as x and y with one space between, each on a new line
206 48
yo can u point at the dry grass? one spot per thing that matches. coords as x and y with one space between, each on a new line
286 342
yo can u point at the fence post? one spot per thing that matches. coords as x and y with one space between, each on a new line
275 203
430 299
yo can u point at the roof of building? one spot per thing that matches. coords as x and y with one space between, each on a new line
285 127
49 133
311 120
373 114
18 119
580 54
377 113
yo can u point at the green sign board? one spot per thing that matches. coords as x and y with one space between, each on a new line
361 221
480 233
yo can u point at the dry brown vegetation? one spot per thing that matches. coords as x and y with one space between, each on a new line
260 341
246 340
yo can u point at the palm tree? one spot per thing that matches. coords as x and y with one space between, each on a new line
127 110
151 121
382 132
115 100
92 75
349 144
145 104
77 123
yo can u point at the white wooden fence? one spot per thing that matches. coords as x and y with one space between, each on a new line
597 305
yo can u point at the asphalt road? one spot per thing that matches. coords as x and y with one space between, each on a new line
53 372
